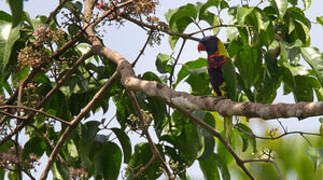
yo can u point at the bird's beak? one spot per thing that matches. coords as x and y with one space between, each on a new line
200 47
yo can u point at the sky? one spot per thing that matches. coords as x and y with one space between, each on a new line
129 39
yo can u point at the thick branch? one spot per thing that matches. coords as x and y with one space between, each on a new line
223 106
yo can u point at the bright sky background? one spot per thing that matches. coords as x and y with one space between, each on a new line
129 39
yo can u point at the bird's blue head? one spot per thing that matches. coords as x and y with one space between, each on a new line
208 44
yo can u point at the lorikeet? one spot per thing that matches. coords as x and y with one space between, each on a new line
216 57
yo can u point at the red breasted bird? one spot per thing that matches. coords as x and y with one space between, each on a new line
216 57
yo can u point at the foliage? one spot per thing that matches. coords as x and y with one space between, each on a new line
267 41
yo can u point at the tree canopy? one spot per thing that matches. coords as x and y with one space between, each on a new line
60 78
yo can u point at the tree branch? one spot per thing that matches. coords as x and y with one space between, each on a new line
142 49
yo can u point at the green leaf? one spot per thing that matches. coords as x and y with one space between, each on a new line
281 6
319 93
35 145
6 146
22 74
321 127
38 21
107 157
162 63
290 52
319 19
210 168
9 34
74 7
2 173
293 2
230 78
172 41
307 4
179 19
89 130
191 66
208 4
13 175
243 12
175 157
199 83
224 4
124 108
316 155
246 139
266 90
207 140
249 63
185 137
83 48
72 149
140 158
298 15
183 13
211 19
155 106
59 172
16 7
125 143
304 88
288 79
314 58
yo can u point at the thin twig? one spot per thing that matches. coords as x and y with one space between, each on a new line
18 170
12 116
175 63
54 13
217 26
28 174
153 27
142 49
276 137
306 139
282 126
35 110
199 27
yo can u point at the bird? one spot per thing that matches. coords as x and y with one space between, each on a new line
216 58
